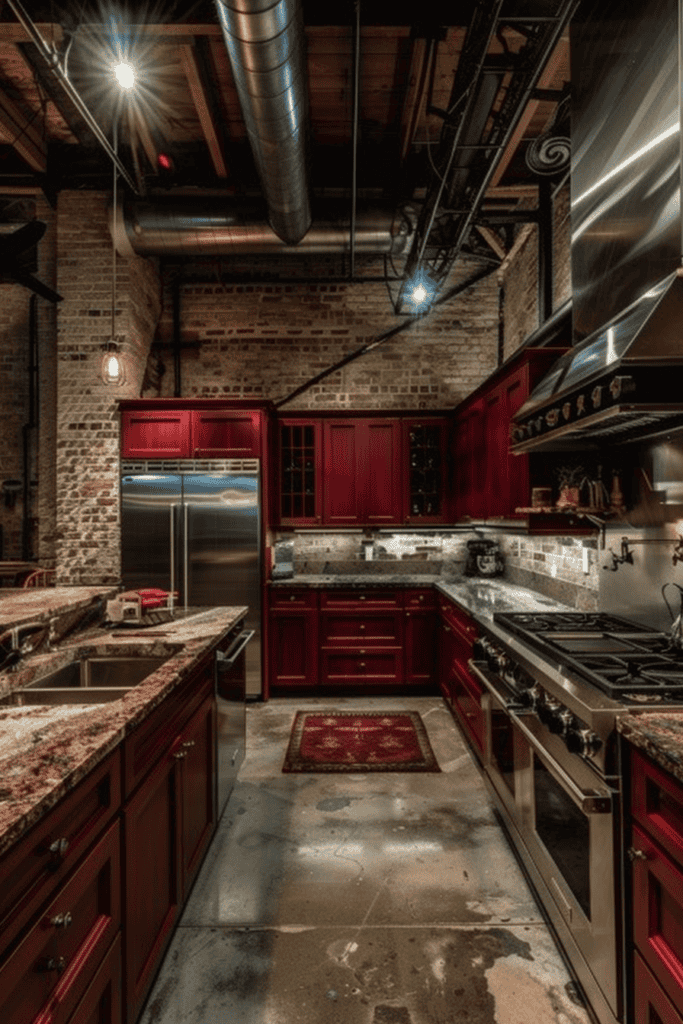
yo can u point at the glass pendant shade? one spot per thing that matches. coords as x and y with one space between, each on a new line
113 369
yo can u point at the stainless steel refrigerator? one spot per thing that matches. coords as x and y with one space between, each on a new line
196 530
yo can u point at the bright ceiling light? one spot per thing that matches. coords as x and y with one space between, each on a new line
125 75
419 294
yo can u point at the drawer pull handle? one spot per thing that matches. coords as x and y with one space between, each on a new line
634 854
180 755
189 743
362 664
58 848
362 597
61 920
51 963
362 627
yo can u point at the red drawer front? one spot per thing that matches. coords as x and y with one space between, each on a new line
294 598
463 622
359 599
657 803
356 629
349 667
658 914
650 1004
49 971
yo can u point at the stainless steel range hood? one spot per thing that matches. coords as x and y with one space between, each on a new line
622 381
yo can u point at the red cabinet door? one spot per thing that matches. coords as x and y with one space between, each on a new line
342 467
426 476
381 470
153 888
102 1004
198 789
226 434
300 472
155 434
650 1005
420 636
293 649
658 914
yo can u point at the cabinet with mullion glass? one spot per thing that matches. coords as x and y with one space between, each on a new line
425 453
300 472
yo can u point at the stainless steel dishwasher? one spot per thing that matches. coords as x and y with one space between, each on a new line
230 670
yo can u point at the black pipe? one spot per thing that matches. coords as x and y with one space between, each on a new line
27 429
354 141
177 390
545 250
501 325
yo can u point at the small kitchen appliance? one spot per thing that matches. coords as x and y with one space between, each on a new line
484 558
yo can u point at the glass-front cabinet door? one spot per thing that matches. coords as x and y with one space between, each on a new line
425 457
300 472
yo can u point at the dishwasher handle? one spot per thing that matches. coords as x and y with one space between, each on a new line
225 660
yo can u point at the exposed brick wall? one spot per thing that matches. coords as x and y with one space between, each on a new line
88 520
520 277
265 340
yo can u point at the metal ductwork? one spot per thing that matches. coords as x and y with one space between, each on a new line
210 226
265 42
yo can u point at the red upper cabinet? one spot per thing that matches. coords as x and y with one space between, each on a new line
300 472
226 434
426 471
362 472
155 434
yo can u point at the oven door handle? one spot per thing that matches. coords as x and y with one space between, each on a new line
501 693
226 660
597 800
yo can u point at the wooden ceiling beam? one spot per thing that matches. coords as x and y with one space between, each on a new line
421 60
195 74
22 135
492 240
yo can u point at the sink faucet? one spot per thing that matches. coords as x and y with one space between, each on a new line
14 642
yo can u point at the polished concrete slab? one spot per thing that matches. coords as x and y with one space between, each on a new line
375 898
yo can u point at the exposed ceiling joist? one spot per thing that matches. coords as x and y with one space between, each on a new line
193 66
21 133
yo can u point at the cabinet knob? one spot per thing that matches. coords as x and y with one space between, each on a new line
292 597
189 743
362 597
362 626
61 920
58 848
634 854
362 664
362 652
51 963
180 755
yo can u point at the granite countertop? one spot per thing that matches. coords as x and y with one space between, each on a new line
659 734
354 581
46 751
37 604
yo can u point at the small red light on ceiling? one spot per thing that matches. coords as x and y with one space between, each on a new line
165 161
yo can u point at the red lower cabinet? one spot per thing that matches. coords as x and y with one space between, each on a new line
420 634
656 855
102 1002
459 687
47 974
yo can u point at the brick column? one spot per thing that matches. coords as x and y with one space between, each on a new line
88 511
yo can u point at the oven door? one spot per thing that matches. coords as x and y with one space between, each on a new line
568 825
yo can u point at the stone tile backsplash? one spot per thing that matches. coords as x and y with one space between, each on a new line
555 566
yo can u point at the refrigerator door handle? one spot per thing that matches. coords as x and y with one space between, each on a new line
231 656
185 570
171 510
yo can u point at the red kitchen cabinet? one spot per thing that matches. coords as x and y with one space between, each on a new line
656 856
462 690
490 481
175 804
426 475
102 1003
226 434
420 637
48 972
300 472
362 472
293 639
155 434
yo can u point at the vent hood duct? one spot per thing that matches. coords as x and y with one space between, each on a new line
623 379
214 226
265 43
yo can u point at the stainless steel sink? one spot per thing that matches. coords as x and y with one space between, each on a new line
87 681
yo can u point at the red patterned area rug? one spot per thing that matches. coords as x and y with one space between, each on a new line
368 741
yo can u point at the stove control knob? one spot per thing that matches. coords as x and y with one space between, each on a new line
582 741
533 695
563 722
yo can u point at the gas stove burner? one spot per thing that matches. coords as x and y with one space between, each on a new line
646 698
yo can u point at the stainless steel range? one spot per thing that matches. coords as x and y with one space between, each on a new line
555 684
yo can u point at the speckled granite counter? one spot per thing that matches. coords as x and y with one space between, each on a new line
40 604
55 747
480 597
659 735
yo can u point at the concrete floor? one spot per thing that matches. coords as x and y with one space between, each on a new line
381 898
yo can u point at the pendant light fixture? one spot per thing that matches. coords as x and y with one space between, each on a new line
113 365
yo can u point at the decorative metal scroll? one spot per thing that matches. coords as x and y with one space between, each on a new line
548 154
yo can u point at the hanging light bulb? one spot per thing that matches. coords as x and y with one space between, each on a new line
420 293
125 75
113 366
